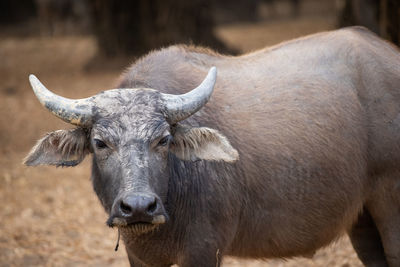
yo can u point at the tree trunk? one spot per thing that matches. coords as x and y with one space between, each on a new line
137 26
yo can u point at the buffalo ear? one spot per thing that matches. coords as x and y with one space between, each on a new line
60 148
202 143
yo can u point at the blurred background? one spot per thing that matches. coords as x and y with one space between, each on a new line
51 217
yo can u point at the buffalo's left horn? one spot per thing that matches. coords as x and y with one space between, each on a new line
180 107
78 112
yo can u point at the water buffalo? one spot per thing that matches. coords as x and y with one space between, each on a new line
298 145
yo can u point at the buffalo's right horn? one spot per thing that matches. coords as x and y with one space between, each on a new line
180 107
77 112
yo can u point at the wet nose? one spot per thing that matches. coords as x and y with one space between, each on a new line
138 208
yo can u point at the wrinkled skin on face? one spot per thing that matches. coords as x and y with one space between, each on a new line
130 140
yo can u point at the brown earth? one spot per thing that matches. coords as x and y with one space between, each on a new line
51 216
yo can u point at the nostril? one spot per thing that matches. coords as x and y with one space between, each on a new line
137 208
152 207
125 208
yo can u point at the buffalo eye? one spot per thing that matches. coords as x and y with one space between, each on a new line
164 141
99 144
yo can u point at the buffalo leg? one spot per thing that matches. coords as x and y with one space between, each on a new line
206 257
366 241
203 261
134 262
384 207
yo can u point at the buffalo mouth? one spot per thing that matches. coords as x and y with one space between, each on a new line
136 228
139 228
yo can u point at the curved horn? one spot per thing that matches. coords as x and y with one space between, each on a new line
180 107
78 112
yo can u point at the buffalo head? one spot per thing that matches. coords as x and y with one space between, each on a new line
130 132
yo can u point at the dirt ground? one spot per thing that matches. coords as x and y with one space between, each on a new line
51 216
